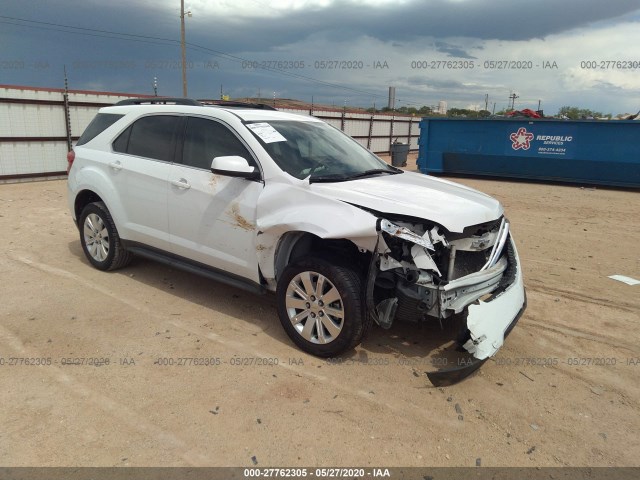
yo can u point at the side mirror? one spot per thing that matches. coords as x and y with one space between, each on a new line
234 166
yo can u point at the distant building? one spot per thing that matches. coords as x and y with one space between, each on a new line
392 98
442 107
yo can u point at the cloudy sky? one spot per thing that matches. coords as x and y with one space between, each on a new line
582 53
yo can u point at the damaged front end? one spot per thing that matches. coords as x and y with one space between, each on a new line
421 272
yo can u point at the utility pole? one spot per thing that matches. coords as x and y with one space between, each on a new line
486 102
183 45
513 97
539 102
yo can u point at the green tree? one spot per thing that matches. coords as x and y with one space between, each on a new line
467 113
575 113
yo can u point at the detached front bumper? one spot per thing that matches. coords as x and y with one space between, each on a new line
489 322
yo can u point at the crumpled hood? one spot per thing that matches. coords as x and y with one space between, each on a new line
451 205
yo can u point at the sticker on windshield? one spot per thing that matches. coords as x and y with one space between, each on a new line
266 132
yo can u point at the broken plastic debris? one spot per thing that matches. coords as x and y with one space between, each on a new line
386 311
406 234
423 260
625 279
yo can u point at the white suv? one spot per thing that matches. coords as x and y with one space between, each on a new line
271 201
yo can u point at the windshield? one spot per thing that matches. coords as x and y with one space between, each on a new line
317 150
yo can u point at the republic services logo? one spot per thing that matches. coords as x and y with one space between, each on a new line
521 139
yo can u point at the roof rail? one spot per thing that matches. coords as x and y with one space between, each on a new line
159 101
235 104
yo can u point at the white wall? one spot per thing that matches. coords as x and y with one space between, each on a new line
35 157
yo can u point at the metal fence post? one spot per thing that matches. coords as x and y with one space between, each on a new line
67 116
391 133
410 128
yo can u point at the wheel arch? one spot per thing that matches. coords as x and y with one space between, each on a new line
298 244
84 198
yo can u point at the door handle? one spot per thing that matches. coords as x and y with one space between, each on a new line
182 183
116 165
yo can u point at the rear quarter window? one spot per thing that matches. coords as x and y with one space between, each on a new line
99 124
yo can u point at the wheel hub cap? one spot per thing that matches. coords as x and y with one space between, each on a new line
315 307
96 237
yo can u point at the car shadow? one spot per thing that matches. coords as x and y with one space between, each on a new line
426 347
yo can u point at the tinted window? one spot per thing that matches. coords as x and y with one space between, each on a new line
153 137
99 124
206 139
122 142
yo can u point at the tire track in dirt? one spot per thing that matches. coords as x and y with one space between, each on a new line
575 333
111 407
399 409
580 297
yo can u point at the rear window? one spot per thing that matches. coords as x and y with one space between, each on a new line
99 124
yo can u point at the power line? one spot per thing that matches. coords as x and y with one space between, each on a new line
83 33
162 41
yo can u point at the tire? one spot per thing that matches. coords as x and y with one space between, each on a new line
317 327
100 240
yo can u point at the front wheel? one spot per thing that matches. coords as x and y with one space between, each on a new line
320 306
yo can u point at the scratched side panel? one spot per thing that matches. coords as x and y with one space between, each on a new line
214 220
292 206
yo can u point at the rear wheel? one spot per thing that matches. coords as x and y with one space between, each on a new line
320 306
100 240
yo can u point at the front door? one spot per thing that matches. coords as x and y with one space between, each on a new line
212 218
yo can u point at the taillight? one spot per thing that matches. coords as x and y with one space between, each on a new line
71 156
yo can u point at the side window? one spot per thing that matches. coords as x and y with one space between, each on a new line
150 137
122 142
99 124
206 139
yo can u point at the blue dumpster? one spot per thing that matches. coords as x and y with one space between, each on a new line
580 151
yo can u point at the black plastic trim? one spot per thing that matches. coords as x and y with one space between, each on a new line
191 266
235 104
159 101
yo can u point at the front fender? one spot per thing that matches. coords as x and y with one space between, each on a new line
286 207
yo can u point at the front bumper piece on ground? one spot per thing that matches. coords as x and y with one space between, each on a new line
489 322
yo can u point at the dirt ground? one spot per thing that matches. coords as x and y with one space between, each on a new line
562 391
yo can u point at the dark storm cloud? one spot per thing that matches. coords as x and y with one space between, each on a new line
498 19
434 83
402 26
454 51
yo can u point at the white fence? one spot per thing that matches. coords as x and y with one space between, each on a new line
38 126
375 131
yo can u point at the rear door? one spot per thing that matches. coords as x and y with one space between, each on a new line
140 169
212 218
